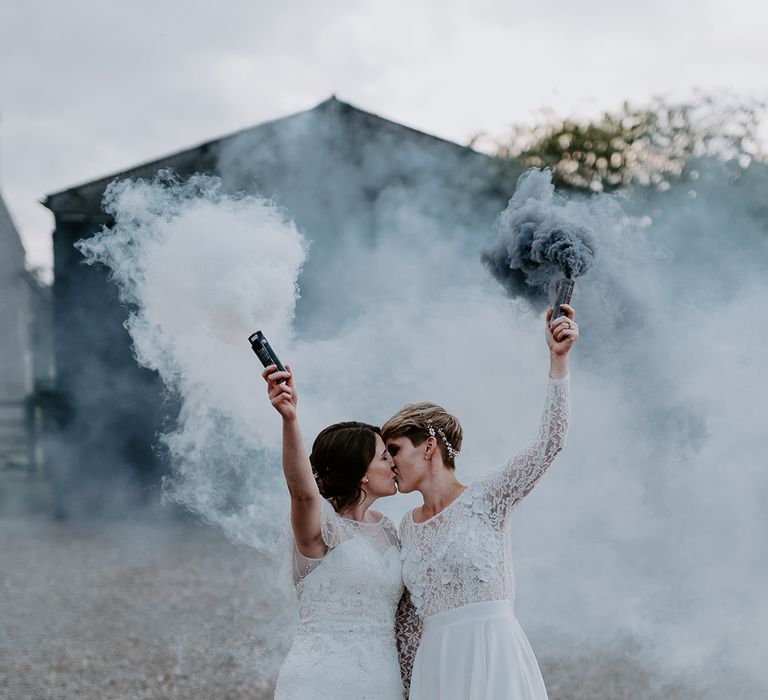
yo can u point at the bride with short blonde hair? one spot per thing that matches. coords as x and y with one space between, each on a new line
458 636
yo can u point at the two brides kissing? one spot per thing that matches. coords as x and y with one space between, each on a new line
426 610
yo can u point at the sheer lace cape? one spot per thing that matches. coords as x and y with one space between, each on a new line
335 530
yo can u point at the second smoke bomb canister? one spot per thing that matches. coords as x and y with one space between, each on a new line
563 294
264 352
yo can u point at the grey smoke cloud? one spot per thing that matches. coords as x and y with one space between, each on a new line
540 237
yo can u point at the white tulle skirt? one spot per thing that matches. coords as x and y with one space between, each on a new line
476 652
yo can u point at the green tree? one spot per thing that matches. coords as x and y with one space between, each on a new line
650 146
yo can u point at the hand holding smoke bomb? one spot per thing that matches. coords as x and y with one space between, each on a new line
562 332
260 345
281 391
279 379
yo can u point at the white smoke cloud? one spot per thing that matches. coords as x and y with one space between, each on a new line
201 271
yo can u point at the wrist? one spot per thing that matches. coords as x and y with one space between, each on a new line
558 365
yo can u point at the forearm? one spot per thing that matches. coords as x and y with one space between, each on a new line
528 466
558 365
296 466
511 483
553 425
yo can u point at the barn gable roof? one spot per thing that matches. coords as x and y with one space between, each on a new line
86 197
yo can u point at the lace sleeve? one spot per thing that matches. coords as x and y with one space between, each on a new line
293 565
506 487
390 532
408 636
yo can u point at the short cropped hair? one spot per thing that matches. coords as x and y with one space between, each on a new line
413 421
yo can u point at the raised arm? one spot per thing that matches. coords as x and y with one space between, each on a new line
306 502
506 487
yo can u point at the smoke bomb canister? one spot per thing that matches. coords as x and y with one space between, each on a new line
264 351
563 294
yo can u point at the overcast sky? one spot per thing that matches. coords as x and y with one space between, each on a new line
88 88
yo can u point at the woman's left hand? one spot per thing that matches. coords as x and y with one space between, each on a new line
563 332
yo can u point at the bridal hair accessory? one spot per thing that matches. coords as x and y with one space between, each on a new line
451 452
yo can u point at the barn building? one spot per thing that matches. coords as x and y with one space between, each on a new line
25 352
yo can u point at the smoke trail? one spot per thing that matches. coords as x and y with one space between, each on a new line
540 238
200 271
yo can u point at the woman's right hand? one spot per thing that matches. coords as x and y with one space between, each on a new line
283 396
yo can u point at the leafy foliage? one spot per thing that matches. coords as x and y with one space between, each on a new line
650 146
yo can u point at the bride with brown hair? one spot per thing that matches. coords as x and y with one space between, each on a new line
342 559
461 636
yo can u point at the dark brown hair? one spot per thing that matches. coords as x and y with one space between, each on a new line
340 457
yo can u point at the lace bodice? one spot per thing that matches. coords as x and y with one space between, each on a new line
463 554
460 555
347 602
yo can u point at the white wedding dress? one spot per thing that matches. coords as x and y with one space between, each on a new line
457 567
345 645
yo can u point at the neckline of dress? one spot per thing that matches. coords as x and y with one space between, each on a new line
455 500
363 522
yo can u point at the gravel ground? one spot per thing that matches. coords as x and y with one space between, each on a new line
176 611
128 612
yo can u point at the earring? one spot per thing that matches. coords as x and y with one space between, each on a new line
365 481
